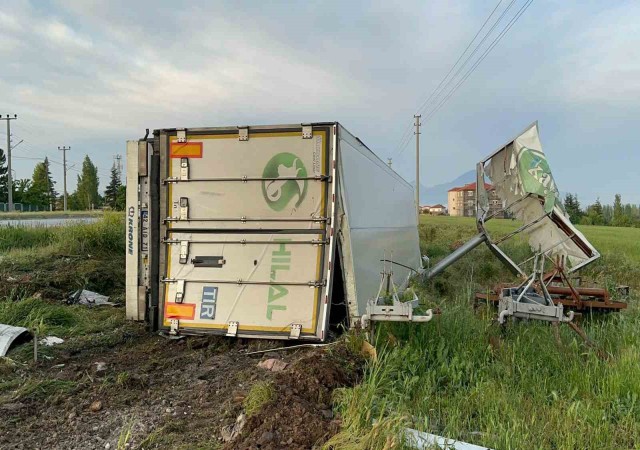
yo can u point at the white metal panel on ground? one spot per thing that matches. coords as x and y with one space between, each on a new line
382 220
8 334
251 248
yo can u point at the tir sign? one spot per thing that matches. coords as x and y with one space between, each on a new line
209 299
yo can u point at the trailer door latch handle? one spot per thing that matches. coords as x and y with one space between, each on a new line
209 261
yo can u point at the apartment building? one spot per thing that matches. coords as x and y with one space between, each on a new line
462 201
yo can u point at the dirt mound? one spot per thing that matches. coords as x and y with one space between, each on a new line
129 386
299 415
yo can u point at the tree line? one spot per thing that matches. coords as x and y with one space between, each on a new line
616 215
40 190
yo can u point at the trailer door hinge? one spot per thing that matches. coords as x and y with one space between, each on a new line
296 328
184 168
307 131
180 291
175 326
233 329
243 133
184 252
184 208
182 135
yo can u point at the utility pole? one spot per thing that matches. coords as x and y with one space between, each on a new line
417 133
9 175
64 165
118 164
46 168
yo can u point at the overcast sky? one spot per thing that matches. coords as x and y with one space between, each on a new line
92 74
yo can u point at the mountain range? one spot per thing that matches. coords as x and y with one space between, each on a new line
433 195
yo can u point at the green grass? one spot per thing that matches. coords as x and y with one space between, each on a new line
47 214
259 395
463 377
105 235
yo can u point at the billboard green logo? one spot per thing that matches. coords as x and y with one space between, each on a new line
536 176
279 190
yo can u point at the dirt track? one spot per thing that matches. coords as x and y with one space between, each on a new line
155 393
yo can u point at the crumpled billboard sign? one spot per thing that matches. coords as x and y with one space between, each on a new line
521 176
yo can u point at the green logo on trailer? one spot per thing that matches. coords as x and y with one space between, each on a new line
281 190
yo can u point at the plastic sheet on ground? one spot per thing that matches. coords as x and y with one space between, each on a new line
423 440
89 298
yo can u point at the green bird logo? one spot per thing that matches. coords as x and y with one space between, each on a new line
280 188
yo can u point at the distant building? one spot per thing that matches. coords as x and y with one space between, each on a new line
462 200
435 210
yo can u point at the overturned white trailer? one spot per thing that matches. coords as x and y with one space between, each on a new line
263 231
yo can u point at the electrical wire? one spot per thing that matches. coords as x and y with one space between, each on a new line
437 102
482 57
406 135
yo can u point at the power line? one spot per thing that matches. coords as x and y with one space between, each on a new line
462 54
475 50
406 135
467 74
438 102
495 42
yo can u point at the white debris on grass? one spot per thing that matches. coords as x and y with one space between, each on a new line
423 441
50 341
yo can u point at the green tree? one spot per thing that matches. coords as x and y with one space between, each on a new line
595 214
86 195
111 193
572 207
42 191
121 198
21 190
620 218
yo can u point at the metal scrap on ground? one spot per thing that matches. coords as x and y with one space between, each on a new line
8 335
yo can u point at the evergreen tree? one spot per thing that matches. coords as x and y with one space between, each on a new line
86 194
121 198
572 207
595 213
42 191
620 218
111 193
4 196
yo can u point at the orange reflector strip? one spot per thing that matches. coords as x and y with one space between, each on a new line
184 311
186 150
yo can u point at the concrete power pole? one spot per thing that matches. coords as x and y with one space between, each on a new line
46 168
417 133
64 165
9 174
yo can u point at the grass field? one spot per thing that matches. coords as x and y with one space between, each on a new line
520 387
51 262
48 214
460 375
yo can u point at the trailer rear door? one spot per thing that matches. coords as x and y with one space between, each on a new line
246 217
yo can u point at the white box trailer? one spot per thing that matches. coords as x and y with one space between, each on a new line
261 231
